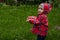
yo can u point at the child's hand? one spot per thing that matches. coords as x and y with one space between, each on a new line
31 18
27 20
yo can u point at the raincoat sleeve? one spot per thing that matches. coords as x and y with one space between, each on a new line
41 19
35 21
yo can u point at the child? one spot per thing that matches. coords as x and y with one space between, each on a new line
40 22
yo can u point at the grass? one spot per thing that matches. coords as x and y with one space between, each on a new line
13 25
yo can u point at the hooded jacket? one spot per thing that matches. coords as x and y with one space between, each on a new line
40 25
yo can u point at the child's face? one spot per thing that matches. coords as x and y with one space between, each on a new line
40 9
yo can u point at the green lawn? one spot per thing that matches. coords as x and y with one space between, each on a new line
13 25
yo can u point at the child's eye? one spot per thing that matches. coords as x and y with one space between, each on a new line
39 8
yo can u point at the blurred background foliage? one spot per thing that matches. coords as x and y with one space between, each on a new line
55 3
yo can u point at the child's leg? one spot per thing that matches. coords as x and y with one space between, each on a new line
41 37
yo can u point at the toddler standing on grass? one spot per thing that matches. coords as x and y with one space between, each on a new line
40 22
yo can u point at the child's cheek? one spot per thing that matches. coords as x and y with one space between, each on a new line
39 10
42 10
